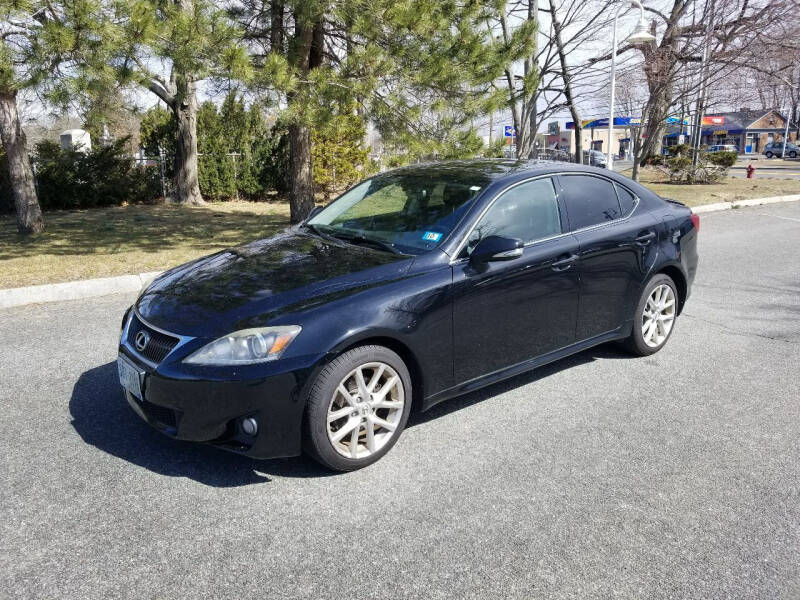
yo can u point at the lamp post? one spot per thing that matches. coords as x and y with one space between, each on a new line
640 35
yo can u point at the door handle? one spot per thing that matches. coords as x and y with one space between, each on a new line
645 238
564 263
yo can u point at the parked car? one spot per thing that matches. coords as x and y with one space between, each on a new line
776 149
413 287
723 148
597 159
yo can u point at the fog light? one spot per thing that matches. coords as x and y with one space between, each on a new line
250 426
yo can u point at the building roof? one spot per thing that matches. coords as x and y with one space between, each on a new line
735 122
743 119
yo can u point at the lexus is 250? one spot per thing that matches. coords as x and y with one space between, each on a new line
412 287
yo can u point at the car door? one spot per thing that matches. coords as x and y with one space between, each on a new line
507 312
617 248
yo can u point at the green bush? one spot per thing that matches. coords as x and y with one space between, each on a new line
680 150
337 155
723 158
101 177
240 154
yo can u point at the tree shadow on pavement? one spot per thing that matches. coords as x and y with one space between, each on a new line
102 417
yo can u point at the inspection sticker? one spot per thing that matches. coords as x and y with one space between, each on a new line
432 236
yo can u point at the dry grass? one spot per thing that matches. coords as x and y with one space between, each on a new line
730 189
83 244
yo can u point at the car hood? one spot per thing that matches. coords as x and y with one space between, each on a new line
257 283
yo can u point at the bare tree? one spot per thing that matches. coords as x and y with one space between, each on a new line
700 41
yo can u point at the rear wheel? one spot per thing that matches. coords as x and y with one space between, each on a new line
793 154
655 316
769 154
357 408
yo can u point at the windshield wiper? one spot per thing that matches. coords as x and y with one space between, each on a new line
365 241
319 232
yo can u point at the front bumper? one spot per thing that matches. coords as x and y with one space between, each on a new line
204 410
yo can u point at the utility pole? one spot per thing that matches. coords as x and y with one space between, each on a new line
701 100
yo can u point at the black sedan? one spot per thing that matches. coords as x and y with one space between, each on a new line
412 287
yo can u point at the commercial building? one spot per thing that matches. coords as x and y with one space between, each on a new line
594 135
748 130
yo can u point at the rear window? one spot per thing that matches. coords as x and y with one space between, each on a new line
589 200
626 200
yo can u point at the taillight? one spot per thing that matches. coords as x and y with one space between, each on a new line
695 221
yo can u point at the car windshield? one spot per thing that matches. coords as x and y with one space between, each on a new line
408 213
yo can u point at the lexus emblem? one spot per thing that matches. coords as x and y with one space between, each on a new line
141 340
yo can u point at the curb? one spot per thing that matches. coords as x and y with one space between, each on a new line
74 290
707 208
90 288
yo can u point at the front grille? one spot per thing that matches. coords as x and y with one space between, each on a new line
158 345
160 414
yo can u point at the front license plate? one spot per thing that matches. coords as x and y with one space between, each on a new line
130 377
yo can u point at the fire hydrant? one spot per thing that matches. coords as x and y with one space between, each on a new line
750 170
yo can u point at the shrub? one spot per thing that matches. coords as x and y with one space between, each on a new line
723 158
654 160
710 168
240 153
337 154
101 177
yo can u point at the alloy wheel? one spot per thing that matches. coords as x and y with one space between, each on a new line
658 316
365 410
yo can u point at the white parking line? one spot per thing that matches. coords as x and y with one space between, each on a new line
780 217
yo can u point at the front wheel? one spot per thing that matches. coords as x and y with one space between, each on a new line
655 316
792 154
769 154
357 408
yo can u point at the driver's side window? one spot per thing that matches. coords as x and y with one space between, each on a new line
528 211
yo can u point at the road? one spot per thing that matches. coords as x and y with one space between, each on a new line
673 476
765 169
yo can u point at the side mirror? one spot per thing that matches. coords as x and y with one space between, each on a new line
495 247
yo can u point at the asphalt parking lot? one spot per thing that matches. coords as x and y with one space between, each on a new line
673 476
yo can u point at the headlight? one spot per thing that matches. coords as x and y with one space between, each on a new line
246 347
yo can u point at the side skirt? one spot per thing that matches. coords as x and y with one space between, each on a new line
539 361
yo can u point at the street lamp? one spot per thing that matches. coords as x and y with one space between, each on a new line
640 35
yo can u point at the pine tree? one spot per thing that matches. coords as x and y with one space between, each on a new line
399 61
40 43
196 39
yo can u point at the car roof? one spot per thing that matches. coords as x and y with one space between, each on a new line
494 174
487 169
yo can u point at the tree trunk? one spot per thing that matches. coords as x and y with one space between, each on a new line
301 193
187 183
276 10
637 151
29 214
567 77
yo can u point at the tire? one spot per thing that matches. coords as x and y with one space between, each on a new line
768 154
792 154
646 335
344 443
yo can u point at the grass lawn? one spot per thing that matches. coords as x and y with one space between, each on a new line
730 189
83 244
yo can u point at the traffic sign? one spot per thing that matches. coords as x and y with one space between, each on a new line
509 131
